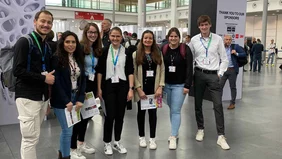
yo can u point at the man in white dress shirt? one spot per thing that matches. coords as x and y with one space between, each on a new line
210 64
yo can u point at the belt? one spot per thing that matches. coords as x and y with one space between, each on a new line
206 71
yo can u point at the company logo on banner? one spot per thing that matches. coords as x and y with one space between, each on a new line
89 15
231 19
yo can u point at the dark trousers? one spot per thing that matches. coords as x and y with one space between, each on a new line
257 62
115 97
251 61
231 75
141 121
78 132
211 82
79 129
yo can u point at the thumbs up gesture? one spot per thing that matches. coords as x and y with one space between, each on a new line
50 78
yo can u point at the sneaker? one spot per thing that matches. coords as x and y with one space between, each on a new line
200 135
266 64
272 65
171 137
153 144
172 143
142 142
221 141
76 154
85 148
108 149
119 147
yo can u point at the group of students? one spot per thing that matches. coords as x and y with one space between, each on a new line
112 73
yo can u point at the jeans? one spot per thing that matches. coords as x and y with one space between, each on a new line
66 134
65 138
31 115
175 99
271 55
257 62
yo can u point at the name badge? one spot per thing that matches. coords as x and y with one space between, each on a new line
206 61
115 79
74 84
149 73
91 77
44 73
172 68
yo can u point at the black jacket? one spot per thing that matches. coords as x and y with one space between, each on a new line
62 88
30 84
106 39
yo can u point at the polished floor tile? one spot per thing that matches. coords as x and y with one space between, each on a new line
253 128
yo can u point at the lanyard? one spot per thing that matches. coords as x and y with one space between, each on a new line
207 48
113 56
172 58
73 67
93 60
43 54
149 59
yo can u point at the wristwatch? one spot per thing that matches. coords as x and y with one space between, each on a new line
132 88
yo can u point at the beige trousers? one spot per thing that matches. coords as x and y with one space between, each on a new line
31 115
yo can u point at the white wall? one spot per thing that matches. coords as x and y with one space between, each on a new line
274 25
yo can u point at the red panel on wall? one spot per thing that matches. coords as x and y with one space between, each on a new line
88 15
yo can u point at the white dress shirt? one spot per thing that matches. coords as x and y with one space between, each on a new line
120 67
216 53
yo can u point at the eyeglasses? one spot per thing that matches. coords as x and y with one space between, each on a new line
91 32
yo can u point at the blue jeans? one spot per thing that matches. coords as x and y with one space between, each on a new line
271 55
175 99
66 134
65 138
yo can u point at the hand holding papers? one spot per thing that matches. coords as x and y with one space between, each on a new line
89 108
72 116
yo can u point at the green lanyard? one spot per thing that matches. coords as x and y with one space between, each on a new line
207 48
113 56
43 54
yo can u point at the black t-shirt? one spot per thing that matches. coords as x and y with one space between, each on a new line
148 82
174 58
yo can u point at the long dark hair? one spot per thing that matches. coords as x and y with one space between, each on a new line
63 57
97 44
155 52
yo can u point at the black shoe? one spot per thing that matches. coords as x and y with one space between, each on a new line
245 70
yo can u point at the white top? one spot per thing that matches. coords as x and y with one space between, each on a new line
120 67
271 48
74 69
216 53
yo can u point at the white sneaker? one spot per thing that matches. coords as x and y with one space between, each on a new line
200 135
172 136
142 142
221 141
76 154
108 149
153 144
172 143
85 148
119 147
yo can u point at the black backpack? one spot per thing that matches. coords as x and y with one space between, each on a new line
132 48
241 60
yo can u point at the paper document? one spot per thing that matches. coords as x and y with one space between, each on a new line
89 108
72 117
151 102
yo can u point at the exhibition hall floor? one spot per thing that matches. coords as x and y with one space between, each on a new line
253 128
